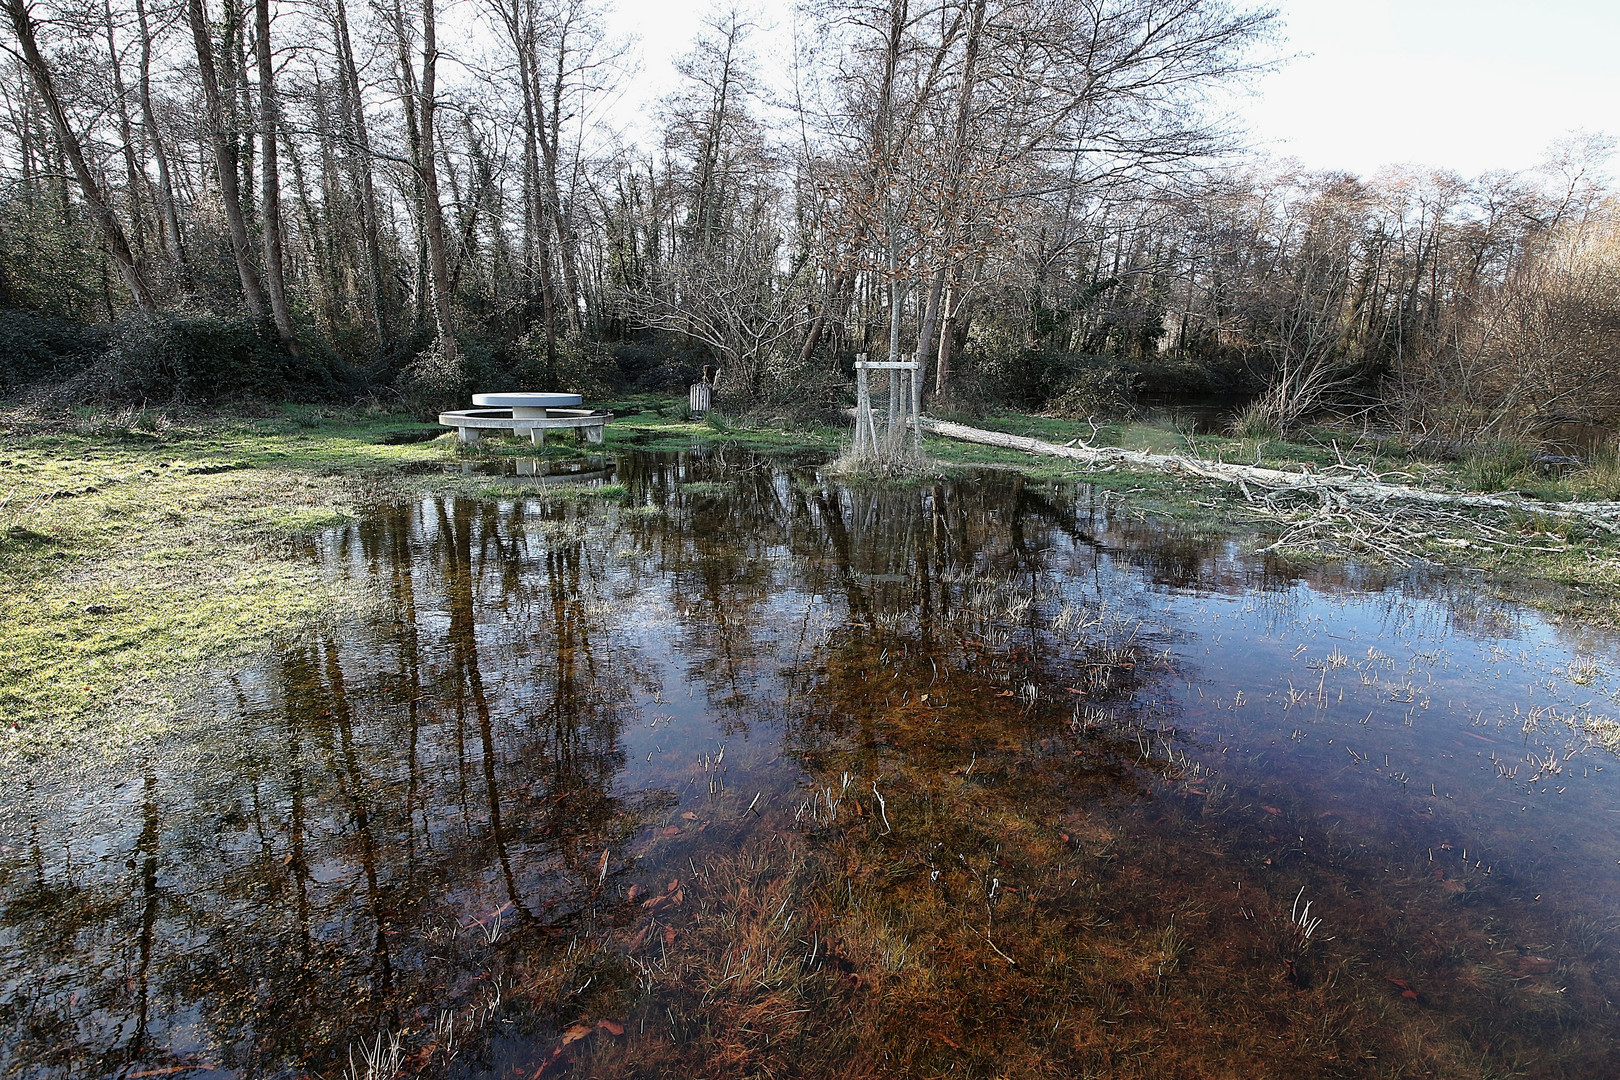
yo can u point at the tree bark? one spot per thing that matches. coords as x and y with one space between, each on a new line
550 143
326 285
376 291
113 233
134 174
536 223
270 179
951 205
226 161
167 209
947 340
432 211
409 92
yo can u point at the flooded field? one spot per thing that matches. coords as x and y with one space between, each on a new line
725 768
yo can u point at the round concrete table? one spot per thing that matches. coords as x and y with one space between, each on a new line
528 406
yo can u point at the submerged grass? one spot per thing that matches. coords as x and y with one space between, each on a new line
983 881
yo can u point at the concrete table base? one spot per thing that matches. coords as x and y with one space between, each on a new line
470 424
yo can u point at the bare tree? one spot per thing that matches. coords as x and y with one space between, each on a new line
22 24
270 177
227 163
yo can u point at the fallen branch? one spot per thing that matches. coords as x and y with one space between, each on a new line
1340 490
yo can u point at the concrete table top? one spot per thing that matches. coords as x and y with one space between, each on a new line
528 401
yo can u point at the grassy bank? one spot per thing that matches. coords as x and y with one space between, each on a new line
138 551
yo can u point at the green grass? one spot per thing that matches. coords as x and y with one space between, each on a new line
665 427
137 551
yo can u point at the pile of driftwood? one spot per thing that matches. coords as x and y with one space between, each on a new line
1346 507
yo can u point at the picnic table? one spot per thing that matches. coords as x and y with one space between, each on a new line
527 412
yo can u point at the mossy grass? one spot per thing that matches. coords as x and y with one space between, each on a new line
140 549
666 427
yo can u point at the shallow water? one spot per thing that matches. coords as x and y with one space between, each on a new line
1047 785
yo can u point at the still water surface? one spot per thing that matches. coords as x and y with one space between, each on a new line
745 771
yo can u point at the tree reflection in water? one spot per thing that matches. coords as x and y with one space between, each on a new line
745 770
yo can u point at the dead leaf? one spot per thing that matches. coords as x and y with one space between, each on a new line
635 891
576 1033
641 935
1271 809
688 816
672 830
669 936
612 1027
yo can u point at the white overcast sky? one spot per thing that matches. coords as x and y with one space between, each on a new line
1467 85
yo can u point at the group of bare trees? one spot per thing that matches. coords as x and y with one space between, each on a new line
301 164
937 180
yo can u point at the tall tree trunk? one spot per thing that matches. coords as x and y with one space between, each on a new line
561 218
951 205
369 226
409 91
432 212
536 225
134 174
167 209
226 161
326 286
239 103
113 233
270 179
947 339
